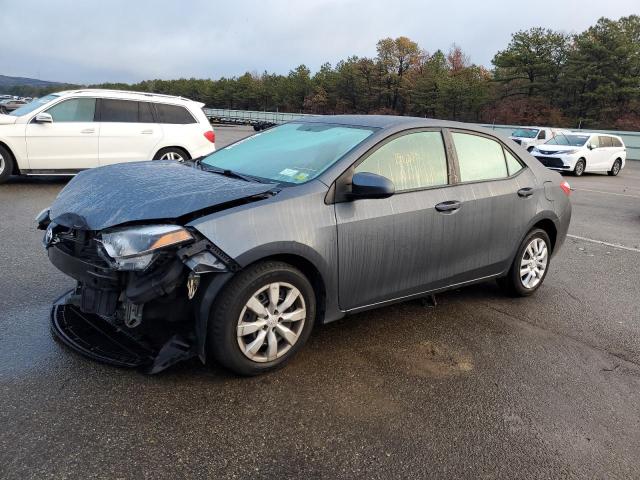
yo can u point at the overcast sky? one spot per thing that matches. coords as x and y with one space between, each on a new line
88 41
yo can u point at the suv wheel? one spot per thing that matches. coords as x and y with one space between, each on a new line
615 168
6 164
261 318
530 266
578 170
172 153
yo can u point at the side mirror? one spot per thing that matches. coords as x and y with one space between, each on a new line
371 185
43 118
591 146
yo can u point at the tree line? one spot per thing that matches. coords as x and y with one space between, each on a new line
589 79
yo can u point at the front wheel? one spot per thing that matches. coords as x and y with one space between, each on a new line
6 164
615 168
579 168
261 318
530 266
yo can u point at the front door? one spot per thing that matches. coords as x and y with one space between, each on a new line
70 142
394 247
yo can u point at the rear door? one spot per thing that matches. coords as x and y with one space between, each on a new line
128 132
498 196
70 142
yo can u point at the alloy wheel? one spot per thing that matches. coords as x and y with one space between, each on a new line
172 156
579 168
2 164
271 322
615 169
534 263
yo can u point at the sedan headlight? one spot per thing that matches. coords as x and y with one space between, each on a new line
134 248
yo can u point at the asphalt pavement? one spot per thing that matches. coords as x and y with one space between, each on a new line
480 386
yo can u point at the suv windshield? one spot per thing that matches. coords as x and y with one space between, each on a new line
570 140
291 153
525 133
30 107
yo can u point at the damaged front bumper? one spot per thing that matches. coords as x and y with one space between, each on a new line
147 319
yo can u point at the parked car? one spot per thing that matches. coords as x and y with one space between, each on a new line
583 152
9 105
66 132
529 137
237 256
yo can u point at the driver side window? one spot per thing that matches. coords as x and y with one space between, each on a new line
74 110
412 161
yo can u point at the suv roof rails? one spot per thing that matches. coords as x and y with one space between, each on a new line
147 94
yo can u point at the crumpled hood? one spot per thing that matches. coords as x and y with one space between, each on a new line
107 196
7 119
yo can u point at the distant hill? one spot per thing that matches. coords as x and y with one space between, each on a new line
6 81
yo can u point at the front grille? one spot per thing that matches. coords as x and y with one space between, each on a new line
551 162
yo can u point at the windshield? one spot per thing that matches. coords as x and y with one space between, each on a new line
30 107
525 133
291 153
569 140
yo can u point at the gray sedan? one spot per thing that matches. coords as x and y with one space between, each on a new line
236 256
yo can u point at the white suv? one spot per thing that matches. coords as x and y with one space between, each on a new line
66 132
529 137
583 152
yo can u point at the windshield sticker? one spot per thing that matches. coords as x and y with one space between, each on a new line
288 172
301 176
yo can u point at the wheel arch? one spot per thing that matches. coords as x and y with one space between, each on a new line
16 168
179 147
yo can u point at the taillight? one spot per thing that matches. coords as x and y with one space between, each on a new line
211 136
566 188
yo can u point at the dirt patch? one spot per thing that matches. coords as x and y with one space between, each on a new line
428 359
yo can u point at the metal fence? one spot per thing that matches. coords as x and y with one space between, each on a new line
257 118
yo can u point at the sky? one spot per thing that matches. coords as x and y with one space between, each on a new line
89 41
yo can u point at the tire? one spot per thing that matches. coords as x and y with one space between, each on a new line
514 283
179 154
615 168
578 170
234 351
7 164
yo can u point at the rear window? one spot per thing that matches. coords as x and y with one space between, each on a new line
173 114
616 142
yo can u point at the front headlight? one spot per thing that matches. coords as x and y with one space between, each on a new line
134 248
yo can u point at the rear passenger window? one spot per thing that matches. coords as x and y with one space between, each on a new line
479 158
173 114
74 110
513 164
144 113
415 160
616 142
123 111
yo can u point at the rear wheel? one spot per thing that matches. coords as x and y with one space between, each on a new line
530 266
261 319
172 153
578 170
615 168
6 164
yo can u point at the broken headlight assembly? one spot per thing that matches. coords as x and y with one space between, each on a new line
135 248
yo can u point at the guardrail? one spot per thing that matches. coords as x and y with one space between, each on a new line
260 120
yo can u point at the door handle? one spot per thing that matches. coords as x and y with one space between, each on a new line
146 132
88 130
448 206
525 192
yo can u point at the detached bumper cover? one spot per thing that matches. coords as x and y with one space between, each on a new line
95 338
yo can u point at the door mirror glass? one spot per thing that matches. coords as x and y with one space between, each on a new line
43 118
371 185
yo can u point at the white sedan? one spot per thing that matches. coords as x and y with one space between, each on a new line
583 152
